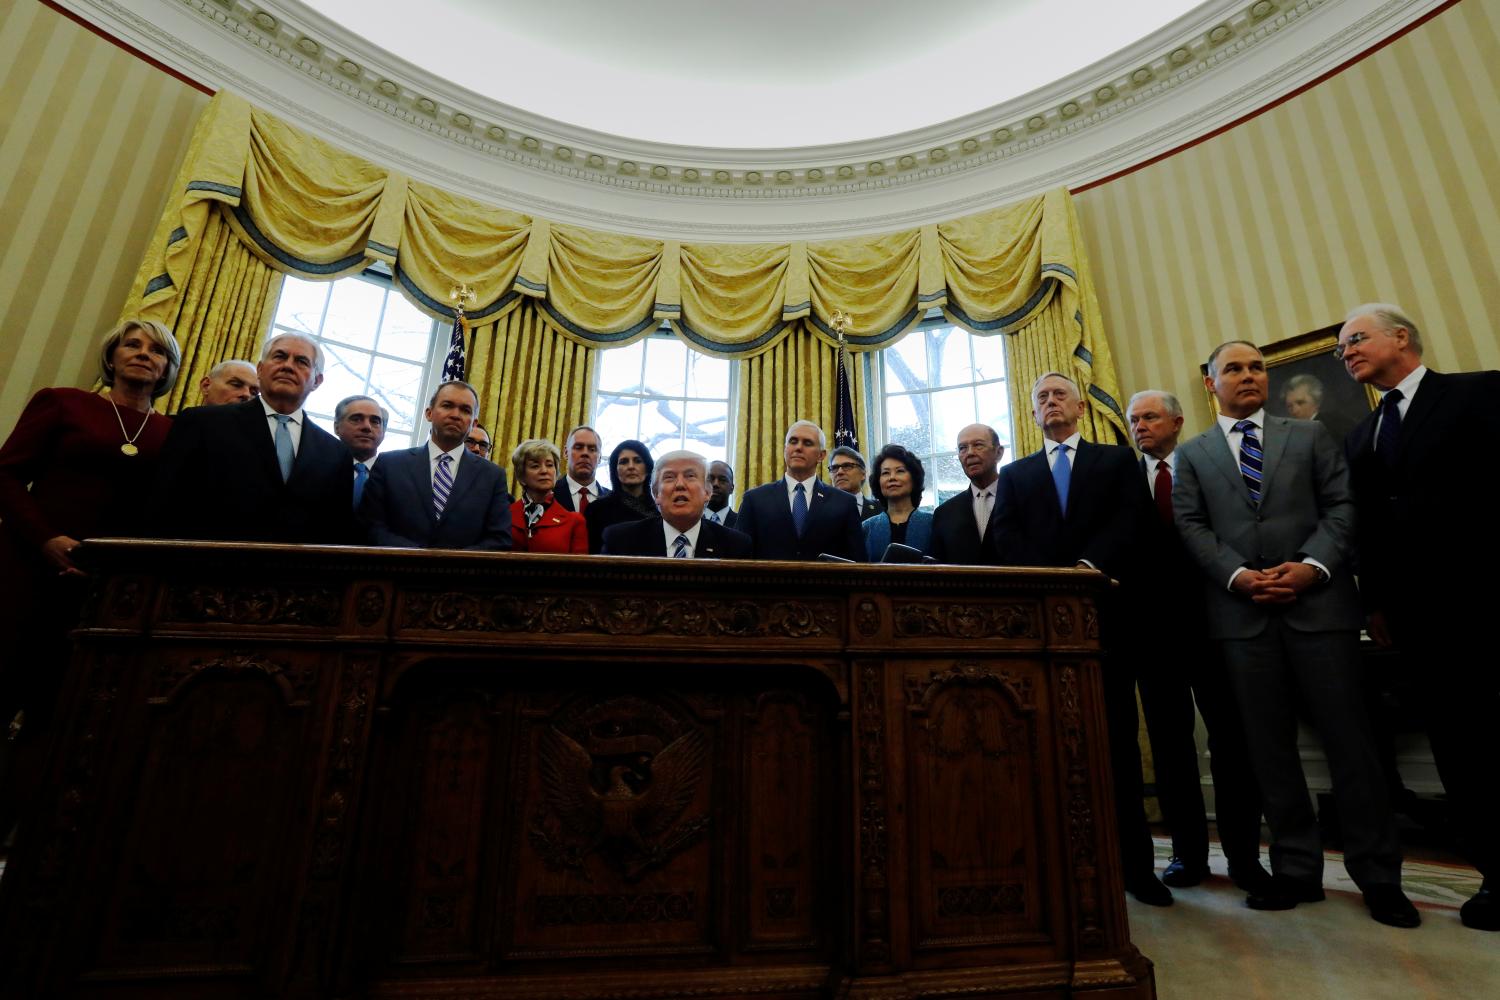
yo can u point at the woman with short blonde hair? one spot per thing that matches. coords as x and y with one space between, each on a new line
538 522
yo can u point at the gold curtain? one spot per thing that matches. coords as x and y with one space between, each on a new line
533 381
795 380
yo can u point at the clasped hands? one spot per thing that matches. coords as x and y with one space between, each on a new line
1281 584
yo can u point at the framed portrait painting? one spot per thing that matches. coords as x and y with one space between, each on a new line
1306 382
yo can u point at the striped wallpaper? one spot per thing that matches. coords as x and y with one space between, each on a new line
90 138
1377 184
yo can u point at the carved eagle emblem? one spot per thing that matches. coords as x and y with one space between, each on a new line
633 819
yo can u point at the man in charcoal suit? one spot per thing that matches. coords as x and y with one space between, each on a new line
962 522
1423 484
679 483
439 495
1075 503
1263 504
261 470
798 517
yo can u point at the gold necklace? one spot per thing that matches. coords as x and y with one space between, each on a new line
129 447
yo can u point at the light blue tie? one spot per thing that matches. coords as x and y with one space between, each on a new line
284 453
680 547
799 509
1062 471
361 473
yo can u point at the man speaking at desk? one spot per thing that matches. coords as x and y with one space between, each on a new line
438 495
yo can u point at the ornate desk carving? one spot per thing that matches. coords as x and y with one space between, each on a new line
337 772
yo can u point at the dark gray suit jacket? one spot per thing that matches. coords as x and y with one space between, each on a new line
1306 510
397 508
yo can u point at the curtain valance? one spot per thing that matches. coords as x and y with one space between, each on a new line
306 208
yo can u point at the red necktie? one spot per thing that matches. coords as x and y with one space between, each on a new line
1162 490
583 500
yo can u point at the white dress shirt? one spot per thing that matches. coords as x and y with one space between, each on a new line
808 486
1258 418
1071 442
293 426
717 516
575 488
1408 387
1152 463
672 533
434 453
984 505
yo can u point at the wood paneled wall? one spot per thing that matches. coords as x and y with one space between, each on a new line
1377 184
90 138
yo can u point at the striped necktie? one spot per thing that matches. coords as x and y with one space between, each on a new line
680 547
1250 459
442 483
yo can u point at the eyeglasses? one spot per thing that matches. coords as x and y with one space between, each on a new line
1355 339
483 446
845 466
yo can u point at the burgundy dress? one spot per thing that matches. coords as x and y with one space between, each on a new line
62 473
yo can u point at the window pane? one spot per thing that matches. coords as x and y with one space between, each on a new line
707 428
666 365
994 409
396 440
989 357
952 411
397 385
906 364
620 370
344 373
950 356
908 423
300 308
616 420
707 377
406 331
354 313
945 477
661 424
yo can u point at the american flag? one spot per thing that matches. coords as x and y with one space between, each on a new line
843 421
453 364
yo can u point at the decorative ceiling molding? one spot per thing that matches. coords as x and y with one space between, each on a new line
1224 60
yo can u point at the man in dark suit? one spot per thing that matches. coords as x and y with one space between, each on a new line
1263 505
798 517
260 471
1176 662
579 487
1423 484
438 495
962 522
1075 503
720 492
679 483
849 472
360 423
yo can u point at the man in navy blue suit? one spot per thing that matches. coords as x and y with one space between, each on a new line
798 517
1075 503
679 483
438 495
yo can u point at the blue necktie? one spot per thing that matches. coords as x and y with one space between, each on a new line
1390 427
680 547
1062 471
284 453
361 473
1250 459
799 509
442 484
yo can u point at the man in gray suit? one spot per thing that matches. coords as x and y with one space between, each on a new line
1264 507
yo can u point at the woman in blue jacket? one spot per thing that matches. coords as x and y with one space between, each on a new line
897 480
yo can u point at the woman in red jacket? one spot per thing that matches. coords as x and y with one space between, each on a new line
538 523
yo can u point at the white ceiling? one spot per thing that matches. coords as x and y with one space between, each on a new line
768 74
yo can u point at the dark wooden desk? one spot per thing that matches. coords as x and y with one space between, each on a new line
331 772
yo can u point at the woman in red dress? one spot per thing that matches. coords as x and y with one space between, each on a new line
79 464
538 523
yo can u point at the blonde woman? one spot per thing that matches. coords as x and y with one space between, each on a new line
538 522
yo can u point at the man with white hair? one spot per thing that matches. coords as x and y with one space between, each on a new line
231 381
1423 485
679 484
260 470
797 517
1075 503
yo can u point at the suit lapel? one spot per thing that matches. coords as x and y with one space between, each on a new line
1086 457
708 541
1223 459
419 474
1427 399
256 422
1273 445
468 472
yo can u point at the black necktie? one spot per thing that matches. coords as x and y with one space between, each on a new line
1390 427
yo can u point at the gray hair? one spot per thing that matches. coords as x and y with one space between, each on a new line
678 456
458 382
1311 383
532 449
844 451
1077 393
348 401
271 342
568 443
1169 402
223 366
822 438
1213 358
159 334
1390 318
